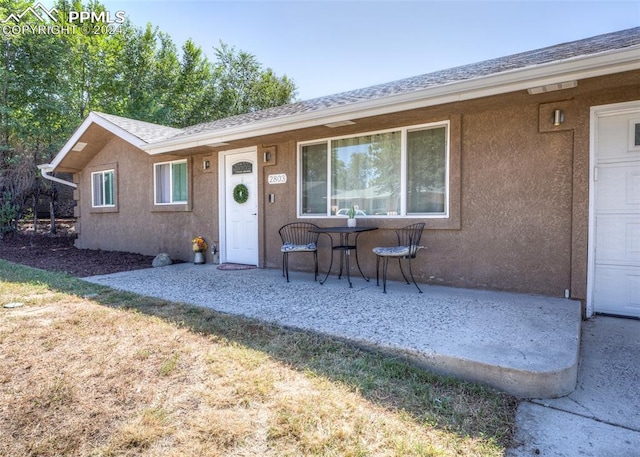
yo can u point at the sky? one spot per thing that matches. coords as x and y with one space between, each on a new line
329 46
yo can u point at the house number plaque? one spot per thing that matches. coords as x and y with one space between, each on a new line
277 179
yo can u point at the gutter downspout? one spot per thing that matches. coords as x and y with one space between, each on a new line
46 168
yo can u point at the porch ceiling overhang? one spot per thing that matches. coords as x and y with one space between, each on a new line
92 135
569 70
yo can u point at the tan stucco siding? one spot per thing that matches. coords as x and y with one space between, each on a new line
519 192
524 192
516 206
515 228
138 225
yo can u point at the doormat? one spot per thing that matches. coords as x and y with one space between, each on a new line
235 266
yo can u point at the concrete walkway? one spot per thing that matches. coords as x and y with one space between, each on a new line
601 417
523 344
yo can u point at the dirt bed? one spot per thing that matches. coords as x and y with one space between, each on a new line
58 253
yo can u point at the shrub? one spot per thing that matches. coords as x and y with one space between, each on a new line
8 214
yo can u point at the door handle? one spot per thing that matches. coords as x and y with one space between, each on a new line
254 214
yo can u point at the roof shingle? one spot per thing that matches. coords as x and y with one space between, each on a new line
566 51
146 131
153 133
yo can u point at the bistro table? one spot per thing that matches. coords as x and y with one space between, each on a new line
344 247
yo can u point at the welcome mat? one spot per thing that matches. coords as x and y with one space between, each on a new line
235 266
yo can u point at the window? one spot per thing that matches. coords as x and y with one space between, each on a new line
403 172
634 135
170 182
102 189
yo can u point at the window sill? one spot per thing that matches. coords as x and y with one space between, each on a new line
103 209
436 222
171 208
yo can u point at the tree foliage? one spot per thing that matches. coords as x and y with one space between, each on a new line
242 85
49 82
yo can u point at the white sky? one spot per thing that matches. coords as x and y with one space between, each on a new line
333 46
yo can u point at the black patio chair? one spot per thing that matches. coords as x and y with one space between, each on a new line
296 238
407 248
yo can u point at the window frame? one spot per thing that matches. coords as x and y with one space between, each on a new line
113 189
403 172
170 184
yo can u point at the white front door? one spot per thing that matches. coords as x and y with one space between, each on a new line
615 223
239 205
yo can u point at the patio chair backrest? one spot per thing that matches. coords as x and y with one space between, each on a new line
297 233
410 236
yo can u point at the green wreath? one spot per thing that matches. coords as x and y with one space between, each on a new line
240 193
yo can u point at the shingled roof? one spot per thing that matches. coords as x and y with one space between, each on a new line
146 131
561 52
563 63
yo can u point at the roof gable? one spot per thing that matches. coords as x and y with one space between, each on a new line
96 131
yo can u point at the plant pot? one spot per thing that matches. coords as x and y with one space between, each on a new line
351 222
198 258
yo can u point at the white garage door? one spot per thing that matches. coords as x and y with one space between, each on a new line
616 221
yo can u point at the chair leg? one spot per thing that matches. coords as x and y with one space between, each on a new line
283 254
315 261
412 278
384 275
377 270
286 263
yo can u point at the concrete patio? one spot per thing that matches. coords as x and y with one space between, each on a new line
525 345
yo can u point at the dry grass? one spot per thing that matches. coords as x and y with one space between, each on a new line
115 374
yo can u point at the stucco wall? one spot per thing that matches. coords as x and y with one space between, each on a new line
519 194
136 224
514 200
524 186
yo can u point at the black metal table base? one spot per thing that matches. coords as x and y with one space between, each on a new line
345 248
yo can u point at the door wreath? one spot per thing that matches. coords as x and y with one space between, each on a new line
240 193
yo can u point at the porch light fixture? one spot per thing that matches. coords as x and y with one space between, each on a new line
333 125
558 117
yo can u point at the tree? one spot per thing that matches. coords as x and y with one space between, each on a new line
33 110
94 64
166 72
149 75
192 94
50 82
243 86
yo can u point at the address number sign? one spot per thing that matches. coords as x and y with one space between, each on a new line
277 179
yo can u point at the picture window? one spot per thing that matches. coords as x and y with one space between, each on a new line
397 173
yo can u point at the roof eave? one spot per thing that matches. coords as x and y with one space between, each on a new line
93 118
575 68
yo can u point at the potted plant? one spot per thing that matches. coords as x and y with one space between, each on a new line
199 246
351 221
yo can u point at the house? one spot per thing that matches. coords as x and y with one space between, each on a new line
525 169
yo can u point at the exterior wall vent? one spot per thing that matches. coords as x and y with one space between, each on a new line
552 87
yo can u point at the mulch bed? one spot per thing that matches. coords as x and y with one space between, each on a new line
57 252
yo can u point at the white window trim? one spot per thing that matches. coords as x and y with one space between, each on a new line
155 184
113 190
403 172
